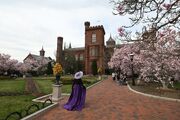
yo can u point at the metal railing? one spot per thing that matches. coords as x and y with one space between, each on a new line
31 109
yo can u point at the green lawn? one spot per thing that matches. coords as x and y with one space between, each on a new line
45 83
46 86
12 86
9 104
44 78
177 85
66 88
156 89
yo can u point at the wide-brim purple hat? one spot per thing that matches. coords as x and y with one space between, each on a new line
78 75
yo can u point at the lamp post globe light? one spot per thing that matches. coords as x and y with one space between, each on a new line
132 69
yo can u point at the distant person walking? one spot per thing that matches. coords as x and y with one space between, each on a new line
113 76
171 81
125 79
77 98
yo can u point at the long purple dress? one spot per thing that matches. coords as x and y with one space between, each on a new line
77 98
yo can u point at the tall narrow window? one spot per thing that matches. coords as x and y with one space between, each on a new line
93 37
94 51
81 57
76 57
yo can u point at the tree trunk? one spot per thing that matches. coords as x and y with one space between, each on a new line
164 84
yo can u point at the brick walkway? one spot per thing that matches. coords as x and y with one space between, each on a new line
108 101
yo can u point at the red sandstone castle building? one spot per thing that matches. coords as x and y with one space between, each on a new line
94 50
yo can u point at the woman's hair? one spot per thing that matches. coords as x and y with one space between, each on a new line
77 81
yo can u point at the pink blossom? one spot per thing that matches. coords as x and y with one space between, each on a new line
121 59
120 9
166 6
121 31
161 34
159 64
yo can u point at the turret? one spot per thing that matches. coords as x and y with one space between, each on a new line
42 52
111 42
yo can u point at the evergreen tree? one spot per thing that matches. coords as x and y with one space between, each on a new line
49 69
79 66
70 64
94 67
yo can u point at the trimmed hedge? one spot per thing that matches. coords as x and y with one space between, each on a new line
67 82
4 77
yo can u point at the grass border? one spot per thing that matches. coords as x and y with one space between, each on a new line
153 96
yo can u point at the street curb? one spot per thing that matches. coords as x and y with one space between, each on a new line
154 96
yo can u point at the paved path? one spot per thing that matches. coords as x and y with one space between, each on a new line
108 101
31 86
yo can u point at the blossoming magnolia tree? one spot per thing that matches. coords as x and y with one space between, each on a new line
7 65
23 68
35 65
158 46
160 63
121 59
163 63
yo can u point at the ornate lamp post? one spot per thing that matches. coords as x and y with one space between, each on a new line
131 58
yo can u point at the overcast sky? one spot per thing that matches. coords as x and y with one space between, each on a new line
27 25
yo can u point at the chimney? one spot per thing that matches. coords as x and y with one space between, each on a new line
86 24
59 50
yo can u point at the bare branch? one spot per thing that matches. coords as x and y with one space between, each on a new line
149 11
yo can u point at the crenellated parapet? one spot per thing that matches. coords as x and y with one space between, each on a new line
88 27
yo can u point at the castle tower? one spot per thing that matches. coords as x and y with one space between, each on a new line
59 50
42 52
94 46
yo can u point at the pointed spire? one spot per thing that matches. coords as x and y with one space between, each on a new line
42 52
110 38
42 49
64 45
70 45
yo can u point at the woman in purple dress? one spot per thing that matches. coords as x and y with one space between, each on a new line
77 98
